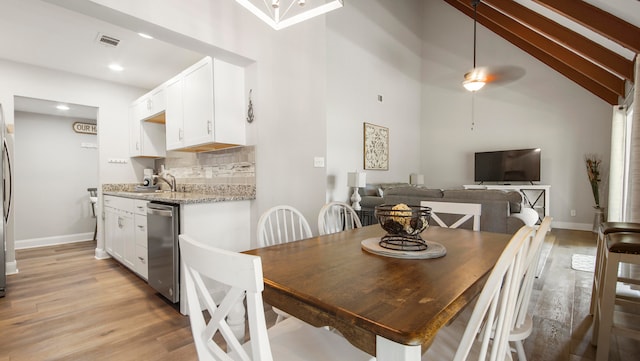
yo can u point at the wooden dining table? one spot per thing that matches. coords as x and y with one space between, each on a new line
391 308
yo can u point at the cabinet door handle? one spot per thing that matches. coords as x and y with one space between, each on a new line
141 259
208 127
137 145
180 134
140 226
120 225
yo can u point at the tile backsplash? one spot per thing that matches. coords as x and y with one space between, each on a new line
226 167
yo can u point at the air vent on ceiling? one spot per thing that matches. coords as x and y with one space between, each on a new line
108 40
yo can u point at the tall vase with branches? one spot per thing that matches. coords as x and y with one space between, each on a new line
592 162
593 172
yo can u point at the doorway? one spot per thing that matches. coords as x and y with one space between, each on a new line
55 160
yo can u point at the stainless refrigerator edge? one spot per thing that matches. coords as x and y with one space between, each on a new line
3 256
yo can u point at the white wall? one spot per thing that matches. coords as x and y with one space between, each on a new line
288 79
112 101
543 110
316 82
373 48
51 173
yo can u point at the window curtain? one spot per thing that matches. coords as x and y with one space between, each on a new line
618 164
633 202
633 199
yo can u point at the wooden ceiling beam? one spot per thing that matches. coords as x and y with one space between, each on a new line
598 20
611 60
505 27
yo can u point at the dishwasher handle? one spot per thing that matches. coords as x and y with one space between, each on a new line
163 211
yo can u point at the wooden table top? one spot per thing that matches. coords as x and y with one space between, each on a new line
331 281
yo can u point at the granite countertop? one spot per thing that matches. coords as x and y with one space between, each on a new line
185 194
180 197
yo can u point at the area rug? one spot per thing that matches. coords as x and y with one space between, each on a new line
583 262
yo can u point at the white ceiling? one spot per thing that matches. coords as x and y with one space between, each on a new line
43 34
46 35
627 10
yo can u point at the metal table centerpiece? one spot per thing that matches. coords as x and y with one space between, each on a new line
403 224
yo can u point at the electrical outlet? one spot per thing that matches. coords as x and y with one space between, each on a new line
318 162
573 213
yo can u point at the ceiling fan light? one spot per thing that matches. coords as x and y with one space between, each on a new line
473 85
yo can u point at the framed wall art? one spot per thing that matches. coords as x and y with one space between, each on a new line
376 147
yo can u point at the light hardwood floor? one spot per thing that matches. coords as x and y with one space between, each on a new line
66 305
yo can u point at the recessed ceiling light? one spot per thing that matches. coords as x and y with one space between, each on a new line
116 67
146 36
62 107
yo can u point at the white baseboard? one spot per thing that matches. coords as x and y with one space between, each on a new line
50 241
573 226
102 254
12 268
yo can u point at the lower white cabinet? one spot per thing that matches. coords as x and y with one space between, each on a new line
140 224
110 217
126 232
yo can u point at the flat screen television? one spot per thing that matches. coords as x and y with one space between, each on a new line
519 165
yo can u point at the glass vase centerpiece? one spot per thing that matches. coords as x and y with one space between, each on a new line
403 224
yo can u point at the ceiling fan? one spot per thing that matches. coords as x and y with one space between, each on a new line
476 79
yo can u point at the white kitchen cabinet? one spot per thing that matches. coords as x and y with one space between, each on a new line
120 233
126 238
140 223
173 115
218 224
146 118
205 107
110 219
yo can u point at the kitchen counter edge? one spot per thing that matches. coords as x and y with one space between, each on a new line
181 197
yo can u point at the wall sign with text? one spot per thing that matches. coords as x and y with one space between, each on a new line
85 128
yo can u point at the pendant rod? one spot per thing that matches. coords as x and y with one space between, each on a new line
475 20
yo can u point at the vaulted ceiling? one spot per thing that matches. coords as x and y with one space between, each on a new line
603 70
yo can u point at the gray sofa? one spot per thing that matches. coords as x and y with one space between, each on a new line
500 209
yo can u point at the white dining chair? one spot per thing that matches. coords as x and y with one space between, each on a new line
465 338
523 319
337 217
464 210
282 224
289 340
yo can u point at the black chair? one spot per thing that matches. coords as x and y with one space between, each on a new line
93 197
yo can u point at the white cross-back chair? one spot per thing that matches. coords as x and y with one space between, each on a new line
337 217
465 210
523 320
282 224
466 338
290 340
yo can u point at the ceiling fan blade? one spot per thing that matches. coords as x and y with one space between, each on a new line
503 74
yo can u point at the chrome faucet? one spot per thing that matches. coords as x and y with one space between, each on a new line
163 177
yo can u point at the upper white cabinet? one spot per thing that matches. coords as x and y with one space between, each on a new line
146 117
205 107
174 127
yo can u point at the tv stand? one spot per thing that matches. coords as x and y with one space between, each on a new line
534 196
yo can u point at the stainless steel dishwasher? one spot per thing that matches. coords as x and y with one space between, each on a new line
163 227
